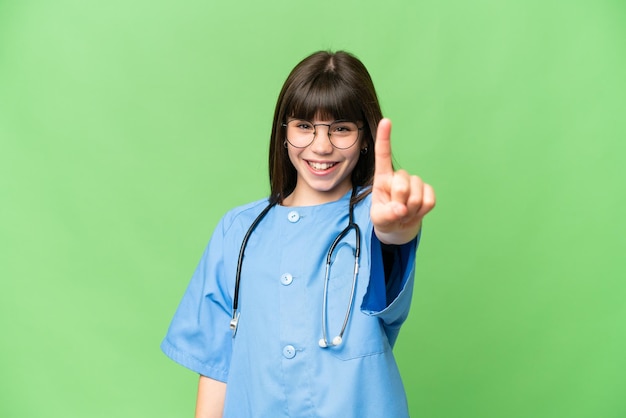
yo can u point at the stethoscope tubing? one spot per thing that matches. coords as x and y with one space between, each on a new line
357 251
324 342
235 318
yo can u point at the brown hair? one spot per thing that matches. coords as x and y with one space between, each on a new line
333 85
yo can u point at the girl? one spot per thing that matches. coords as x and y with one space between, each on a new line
298 298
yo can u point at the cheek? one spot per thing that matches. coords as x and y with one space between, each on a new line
293 154
353 157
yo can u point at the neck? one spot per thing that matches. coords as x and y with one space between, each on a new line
300 197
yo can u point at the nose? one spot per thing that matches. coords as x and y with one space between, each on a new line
321 142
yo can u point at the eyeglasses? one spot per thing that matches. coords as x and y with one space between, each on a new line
341 134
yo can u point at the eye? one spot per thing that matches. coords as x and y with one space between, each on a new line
343 127
303 125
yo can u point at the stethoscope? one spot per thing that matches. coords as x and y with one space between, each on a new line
323 342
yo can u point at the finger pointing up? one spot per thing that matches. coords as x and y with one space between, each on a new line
382 149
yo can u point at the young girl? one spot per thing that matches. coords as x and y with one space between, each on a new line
298 299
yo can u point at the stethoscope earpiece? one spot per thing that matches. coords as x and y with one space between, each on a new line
335 342
234 322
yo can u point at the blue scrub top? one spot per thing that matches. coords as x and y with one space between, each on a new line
274 366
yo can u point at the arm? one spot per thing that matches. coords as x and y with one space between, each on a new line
211 394
390 288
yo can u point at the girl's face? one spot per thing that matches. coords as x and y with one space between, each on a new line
324 172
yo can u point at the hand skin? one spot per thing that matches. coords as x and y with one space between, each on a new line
399 200
211 395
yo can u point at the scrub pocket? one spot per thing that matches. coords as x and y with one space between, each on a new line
364 334
364 337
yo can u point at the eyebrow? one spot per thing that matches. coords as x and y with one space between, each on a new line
310 121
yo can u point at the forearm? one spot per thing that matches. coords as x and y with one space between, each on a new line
211 395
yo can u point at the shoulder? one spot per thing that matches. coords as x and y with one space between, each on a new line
365 203
243 215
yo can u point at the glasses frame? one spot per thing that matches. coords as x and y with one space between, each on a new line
315 125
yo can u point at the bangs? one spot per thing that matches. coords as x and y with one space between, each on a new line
327 97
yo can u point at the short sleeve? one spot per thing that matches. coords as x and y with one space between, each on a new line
390 299
199 337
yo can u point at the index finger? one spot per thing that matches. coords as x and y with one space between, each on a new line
382 148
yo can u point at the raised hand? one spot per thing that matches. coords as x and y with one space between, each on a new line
399 200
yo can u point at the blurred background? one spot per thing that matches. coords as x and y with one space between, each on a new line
127 129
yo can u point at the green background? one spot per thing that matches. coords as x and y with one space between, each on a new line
127 128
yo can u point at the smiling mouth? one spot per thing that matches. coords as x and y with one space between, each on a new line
320 166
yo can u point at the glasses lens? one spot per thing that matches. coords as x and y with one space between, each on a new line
300 133
342 134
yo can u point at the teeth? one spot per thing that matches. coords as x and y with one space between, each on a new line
321 166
